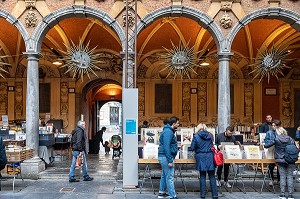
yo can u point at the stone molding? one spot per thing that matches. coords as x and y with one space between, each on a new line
75 11
173 11
14 21
287 16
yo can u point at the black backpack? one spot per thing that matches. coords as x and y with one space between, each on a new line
291 153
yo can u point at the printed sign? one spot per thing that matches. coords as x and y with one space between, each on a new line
252 152
130 126
233 152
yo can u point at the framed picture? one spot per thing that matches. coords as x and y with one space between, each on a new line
270 91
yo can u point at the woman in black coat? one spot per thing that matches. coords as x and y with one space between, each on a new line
201 144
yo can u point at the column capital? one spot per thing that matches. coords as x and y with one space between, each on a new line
32 55
225 55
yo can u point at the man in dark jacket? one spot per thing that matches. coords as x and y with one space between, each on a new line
266 126
224 137
79 149
3 158
99 139
167 151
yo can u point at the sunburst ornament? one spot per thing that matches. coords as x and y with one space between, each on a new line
80 60
271 63
180 60
2 64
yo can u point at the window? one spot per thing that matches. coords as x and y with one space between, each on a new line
44 97
163 98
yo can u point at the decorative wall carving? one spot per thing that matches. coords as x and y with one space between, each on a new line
246 72
20 71
141 88
226 21
186 99
18 100
64 107
31 19
287 112
202 72
249 97
3 98
233 74
296 71
226 5
30 3
141 71
202 99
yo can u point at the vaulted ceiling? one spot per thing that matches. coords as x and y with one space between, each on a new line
253 38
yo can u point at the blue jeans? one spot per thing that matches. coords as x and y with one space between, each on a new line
167 177
212 181
75 154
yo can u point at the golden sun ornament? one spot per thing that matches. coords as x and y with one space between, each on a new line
180 60
80 60
271 63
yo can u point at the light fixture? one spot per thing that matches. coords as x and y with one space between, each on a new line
57 63
180 60
204 64
80 59
271 62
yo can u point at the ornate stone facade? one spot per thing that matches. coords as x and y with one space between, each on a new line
19 100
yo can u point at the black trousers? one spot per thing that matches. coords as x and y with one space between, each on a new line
271 168
226 172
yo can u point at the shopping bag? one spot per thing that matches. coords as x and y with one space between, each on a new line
79 161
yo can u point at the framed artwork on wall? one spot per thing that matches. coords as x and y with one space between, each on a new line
270 91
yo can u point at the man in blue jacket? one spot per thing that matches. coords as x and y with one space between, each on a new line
167 152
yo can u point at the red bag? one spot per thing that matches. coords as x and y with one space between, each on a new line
218 157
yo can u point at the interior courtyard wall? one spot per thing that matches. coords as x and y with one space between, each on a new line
248 7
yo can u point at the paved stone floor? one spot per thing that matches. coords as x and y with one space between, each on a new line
53 183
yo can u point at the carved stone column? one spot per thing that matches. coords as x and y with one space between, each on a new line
32 103
224 91
32 167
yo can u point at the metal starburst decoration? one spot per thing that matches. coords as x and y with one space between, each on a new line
2 64
80 60
180 60
270 63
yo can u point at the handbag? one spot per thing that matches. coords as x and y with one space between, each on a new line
218 155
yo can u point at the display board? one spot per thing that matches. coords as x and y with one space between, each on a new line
252 152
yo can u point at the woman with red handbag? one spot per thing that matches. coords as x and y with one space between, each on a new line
202 143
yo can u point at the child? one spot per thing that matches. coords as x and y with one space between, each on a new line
107 148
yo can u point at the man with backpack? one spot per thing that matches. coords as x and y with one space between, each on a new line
78 149
285 156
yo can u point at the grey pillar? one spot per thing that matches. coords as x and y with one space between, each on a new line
32 102
224 92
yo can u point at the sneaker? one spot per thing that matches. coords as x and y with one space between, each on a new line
163 195
290 197
271 183
282 196
218 183
88 179
73 180
226 184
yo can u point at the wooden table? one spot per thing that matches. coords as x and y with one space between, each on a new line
181 162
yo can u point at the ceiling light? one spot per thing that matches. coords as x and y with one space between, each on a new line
57 63
204 64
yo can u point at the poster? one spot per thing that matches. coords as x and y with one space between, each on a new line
130 126
151 135
186 135
269 152
150 151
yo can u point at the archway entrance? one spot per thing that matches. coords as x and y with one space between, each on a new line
105 111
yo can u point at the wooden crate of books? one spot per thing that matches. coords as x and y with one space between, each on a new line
15 155
29 153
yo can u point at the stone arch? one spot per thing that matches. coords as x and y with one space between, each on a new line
15 22
75 11
202 18
285 15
